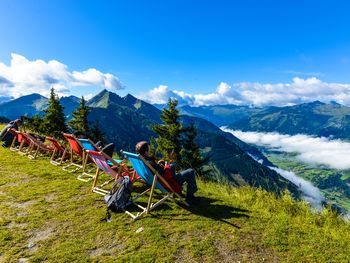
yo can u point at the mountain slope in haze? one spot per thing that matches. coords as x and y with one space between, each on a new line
26 105
207 126
220 115
32 104
315 118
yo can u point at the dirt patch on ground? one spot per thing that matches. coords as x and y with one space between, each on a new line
182 255
50 197
13 225
39 236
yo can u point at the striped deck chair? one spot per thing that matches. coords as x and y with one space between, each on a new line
106 164
59 151
154 180
76 153
36 147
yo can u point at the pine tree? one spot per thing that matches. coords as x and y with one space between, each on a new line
35 124
79 122
54 119
192 156
97 134
169 133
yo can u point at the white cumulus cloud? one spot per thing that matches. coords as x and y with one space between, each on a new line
299 90
24 76
313 150
162 93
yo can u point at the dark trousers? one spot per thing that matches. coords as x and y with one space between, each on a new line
189 177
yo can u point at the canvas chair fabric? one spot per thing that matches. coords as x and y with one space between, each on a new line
102 162
76 155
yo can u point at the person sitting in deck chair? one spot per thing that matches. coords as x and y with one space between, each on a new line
168 172
6 136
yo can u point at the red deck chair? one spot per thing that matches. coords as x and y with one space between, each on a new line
77 157
106 164
25 144
14 146
59 152
76 153
36 147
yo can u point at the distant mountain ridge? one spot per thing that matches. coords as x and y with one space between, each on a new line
315 118
32 104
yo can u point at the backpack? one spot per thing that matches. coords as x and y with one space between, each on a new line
118 197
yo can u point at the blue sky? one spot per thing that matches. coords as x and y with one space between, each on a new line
188 46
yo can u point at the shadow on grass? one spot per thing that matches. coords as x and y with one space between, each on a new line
206 207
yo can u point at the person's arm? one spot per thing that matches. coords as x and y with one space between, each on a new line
156 166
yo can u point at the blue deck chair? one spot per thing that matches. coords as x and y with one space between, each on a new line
153 179
87 145
106 164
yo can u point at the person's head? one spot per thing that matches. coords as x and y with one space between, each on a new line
142 148
18 122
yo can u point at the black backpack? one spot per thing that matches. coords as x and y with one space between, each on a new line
119 196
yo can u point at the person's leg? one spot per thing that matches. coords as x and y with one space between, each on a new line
7 140
189 177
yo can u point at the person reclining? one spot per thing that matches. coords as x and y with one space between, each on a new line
187 176
6 136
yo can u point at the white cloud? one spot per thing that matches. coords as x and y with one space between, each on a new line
313 150
23 76
311 194
248 93
162 93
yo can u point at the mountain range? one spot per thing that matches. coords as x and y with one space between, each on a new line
314 118
32 104
127 120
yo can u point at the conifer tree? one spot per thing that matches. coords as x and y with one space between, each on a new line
169 133
192 156
97 134
79 122
54 119
35 124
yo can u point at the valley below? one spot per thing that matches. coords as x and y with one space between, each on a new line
314 164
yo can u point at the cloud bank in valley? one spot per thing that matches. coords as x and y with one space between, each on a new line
313 150
23 77
258 94
311 193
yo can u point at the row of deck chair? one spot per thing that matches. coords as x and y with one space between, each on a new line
80 152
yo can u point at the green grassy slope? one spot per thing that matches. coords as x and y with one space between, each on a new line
48 215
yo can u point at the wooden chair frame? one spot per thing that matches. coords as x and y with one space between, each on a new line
59 152
37 147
